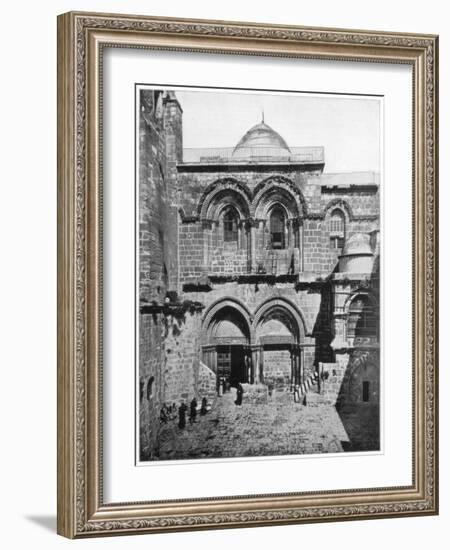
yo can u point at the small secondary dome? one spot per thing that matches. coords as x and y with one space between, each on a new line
261 141
358 244
357 256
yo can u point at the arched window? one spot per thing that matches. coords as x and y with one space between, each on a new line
362 319
277 225
150 387
337 229
230 226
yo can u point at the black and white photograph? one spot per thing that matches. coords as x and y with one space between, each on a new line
258 261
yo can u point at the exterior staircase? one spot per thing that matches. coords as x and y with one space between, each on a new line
307 393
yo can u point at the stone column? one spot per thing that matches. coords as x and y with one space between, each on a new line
301 366
292 353
248 366
251 225
261 365
248 238
341 291
255 364
207 235
214 360
300 246
296 376
340 321
253 244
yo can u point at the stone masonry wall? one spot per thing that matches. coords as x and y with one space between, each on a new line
277 368
202 251
153 201
151 354
160 149
182 358
173 134
228 261
177 246
191 251
207 383
153 265
308 302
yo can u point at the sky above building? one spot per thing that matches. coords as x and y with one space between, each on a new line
349 128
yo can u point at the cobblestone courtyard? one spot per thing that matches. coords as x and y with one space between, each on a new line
279 427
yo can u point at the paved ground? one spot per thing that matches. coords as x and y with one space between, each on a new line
279 427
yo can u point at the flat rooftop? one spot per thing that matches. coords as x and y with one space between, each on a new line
253 155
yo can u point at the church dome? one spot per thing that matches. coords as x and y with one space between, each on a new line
358 245
357 256
261 141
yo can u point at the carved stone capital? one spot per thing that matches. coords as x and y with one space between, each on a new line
251 222
207 224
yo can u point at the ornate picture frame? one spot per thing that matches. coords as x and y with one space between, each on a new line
82 39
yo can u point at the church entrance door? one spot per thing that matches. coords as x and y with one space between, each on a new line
232 364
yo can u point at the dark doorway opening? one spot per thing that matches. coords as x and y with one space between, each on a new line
239 369
232 364
365 391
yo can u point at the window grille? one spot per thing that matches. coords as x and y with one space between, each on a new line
362 319
337 230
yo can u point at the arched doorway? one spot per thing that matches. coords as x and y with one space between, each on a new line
279 334
226 348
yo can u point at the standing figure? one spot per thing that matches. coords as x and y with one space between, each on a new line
164 414
182 409
193 411
204 409
239 392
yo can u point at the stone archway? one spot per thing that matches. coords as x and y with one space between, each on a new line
227 339
279 233
279 333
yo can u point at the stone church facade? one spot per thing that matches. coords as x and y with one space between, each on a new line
255 266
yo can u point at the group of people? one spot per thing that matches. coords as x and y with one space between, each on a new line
167 412
183 408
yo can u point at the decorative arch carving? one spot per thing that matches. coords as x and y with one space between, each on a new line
360 292
289 195
341 205
285 306
239 196
362 321
221 304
